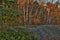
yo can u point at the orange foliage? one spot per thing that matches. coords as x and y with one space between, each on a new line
21 2
54 11
30 1
51 6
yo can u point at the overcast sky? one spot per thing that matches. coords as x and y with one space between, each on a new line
49 0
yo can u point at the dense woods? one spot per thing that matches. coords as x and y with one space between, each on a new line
39 13
18 20
33 12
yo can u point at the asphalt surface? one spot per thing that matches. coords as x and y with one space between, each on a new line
43 30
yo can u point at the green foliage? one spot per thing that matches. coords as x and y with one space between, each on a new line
9 1
7 15
9 34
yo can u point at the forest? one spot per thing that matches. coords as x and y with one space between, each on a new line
29 20
29 12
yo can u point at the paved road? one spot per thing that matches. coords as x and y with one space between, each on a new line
43 30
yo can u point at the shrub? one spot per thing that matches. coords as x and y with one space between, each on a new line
20 34
8 16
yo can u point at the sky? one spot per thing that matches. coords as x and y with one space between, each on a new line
50 1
